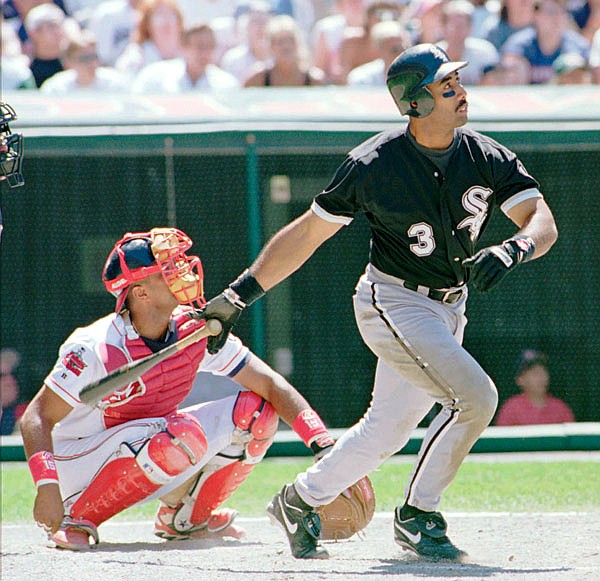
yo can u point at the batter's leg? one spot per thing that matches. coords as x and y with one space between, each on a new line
396 409
419 338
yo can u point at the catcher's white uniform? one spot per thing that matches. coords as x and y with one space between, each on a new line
87 438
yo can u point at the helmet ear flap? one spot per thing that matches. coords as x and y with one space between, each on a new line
417 103
421 103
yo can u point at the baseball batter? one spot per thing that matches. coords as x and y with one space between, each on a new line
90 463
428 191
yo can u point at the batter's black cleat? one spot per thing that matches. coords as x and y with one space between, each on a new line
299 521
425 534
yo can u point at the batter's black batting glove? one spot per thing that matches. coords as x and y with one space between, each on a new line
228 306
490 265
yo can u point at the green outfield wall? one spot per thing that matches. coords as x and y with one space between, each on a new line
231 172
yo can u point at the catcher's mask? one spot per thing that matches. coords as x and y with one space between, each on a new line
11 161
138 255
411 71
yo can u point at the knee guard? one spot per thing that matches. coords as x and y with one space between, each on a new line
131 477
255 422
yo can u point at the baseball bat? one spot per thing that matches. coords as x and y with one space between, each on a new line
91 394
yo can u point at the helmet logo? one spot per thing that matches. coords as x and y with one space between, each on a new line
438 53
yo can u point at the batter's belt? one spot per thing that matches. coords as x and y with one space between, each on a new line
449 296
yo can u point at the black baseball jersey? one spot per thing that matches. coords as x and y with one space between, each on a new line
424 224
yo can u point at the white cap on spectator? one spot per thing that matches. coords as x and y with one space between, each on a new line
43 14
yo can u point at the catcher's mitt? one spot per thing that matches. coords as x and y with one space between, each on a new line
349 513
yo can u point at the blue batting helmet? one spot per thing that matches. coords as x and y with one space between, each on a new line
411 71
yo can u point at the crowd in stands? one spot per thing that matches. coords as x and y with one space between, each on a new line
146 46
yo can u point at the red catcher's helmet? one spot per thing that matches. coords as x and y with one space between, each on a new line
138 255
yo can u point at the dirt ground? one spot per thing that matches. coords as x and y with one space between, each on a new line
508 547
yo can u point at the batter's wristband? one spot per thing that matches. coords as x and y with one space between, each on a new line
43 468
247 288
525 245
311 429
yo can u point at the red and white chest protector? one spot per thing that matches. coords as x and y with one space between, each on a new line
91 352
159 391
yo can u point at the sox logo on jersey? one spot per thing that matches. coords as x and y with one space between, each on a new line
474 202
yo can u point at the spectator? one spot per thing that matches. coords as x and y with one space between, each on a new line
534 405
328 34
156 37
515 15
461 46
357 46
571 69
586 15
16 73
543 43
485 12
83 71
195 70
290 58
14 13
390 38
9 389
425 20
45 25
113 22
254 49
302 11
511 70
595 58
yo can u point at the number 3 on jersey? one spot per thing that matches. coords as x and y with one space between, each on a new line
423 232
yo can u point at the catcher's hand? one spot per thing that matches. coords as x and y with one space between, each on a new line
349 513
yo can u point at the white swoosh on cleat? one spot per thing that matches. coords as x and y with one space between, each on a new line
413 538
291 527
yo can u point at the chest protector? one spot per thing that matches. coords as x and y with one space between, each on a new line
159 391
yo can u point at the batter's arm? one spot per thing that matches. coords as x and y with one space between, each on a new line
535 220
287 251
537 233
42 414
291 247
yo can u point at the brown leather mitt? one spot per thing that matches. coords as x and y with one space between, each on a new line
349 513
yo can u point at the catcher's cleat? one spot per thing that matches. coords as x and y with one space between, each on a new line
299 521
425 534
219 525
75 534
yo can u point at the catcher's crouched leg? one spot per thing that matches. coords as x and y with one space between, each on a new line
349 513
130 477
191 511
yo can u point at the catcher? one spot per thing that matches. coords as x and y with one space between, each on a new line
136 445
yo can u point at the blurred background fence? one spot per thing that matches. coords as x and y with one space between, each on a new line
230 185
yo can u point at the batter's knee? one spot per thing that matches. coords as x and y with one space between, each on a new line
484 399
